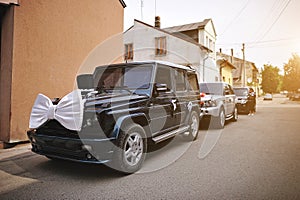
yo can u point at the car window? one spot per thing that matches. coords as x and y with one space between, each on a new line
211 88
192 82
131 77
163 76
180 80
241 91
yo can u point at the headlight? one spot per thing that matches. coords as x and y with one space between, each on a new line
243 101
210 103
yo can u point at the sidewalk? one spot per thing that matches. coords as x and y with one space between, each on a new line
14 151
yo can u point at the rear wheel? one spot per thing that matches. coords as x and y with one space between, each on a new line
219 121
194 126
130 150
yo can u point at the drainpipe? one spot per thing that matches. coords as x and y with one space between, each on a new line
204 66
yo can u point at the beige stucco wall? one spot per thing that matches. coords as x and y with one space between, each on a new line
51 40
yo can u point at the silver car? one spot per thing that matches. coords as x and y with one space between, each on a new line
218 103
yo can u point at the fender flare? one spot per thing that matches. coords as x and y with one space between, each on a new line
120 121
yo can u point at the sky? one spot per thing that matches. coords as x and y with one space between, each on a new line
269 28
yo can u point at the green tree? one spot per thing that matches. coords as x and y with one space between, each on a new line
270 79
291 78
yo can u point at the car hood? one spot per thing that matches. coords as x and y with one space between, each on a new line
111 100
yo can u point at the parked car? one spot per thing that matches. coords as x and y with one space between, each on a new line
295 96
219 103
242 99
268 96
127 107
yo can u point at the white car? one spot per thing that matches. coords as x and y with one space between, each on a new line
218 103
268 96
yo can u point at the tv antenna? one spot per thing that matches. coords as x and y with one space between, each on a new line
142 5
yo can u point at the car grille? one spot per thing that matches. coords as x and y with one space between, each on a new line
54 128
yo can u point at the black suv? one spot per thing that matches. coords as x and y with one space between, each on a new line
127 107
242 99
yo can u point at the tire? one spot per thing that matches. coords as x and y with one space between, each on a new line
219 122
235 115
194 126
131 146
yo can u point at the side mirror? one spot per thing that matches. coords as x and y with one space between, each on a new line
161 87
85 81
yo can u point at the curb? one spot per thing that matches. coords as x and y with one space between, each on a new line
17 150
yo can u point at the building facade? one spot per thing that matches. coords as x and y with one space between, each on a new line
43 44
245 73
203 33
145 42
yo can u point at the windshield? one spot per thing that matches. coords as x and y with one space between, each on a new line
130 77
211 88
241 91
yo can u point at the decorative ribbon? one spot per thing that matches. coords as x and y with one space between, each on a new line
68 112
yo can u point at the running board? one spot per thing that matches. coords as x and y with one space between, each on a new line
168 135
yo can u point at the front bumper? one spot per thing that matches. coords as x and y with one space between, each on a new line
210 111
80 150
242 107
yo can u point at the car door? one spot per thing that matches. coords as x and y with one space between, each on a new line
229 99
163 104
181 91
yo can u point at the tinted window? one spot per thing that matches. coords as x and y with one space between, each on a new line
131 77
180 80
192 82
211 88
163 76
241 91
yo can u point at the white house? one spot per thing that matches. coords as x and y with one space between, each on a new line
145 42
203 33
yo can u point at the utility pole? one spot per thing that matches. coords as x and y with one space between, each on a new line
243 67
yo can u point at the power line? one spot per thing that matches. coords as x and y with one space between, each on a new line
270 28
260 42
269 16
236 17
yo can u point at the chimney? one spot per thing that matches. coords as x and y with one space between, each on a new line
157 21
231 55
220 50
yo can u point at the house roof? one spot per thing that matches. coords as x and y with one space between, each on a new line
225 61
187 27
180 36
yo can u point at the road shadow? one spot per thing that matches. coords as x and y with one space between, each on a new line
31 165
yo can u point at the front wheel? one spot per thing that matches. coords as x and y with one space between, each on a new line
194 126
130 150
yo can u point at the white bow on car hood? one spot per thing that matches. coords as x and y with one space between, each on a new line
68 112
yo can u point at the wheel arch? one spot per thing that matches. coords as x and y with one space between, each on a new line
138 118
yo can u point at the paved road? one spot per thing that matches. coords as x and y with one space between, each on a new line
257 157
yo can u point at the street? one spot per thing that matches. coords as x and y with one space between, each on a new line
257 157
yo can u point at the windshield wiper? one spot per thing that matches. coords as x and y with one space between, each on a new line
121 88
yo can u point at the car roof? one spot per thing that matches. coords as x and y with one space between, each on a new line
151 62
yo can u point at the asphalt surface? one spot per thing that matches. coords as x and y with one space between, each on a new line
257 157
